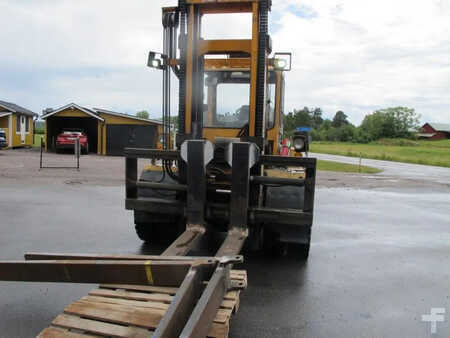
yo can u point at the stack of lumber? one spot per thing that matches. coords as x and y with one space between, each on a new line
131 311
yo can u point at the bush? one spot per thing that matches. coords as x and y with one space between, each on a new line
362 136
315 135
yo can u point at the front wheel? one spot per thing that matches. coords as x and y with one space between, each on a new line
301 250
274 247
284 239
157 229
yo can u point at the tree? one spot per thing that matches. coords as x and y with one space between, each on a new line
339 119
306 117
297 118
326 124
143 114
316 118
390 122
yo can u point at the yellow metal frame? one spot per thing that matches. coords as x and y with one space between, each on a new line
204 47
198 47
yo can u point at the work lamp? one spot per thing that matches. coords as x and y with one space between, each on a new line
301 140
282 61
157 60
299 143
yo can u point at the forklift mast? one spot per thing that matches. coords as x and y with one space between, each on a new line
252 54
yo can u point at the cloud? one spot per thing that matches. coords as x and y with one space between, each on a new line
360 56
353 55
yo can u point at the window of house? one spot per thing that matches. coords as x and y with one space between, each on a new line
18 123
27 124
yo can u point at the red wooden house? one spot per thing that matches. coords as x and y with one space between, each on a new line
435 131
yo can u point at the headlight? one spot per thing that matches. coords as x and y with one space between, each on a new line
299 143
155 63
156 60
280 64
282 61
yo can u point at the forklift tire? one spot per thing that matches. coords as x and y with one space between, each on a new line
271 244
144 232
285 197
157 228
157 233
301 250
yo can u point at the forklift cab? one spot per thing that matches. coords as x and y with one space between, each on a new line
227 106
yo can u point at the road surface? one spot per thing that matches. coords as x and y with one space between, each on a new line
378 262
396 170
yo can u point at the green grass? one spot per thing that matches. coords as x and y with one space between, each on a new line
435 153
37 140
345 167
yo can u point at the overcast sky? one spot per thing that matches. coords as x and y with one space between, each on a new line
350 55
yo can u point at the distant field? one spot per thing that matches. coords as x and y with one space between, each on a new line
435 153
345 167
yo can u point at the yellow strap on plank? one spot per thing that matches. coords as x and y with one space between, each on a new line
148 272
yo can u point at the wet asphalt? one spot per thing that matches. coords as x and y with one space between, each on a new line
379 260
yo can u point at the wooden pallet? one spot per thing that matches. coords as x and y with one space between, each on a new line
131 311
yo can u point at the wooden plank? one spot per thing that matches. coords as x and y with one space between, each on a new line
119 314
145 288
222 316
219 330
236 305
157 297
232 295
119 301
101 328
238 277
53 332
238 274
228 304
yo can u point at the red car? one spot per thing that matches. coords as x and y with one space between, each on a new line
66 140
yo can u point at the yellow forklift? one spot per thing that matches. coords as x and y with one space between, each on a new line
221 178
225 177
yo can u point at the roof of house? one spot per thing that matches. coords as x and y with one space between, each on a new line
440 126
95 112
73 106
14 108
3 114
134 117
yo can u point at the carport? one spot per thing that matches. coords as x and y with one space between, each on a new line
69 117
108 132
